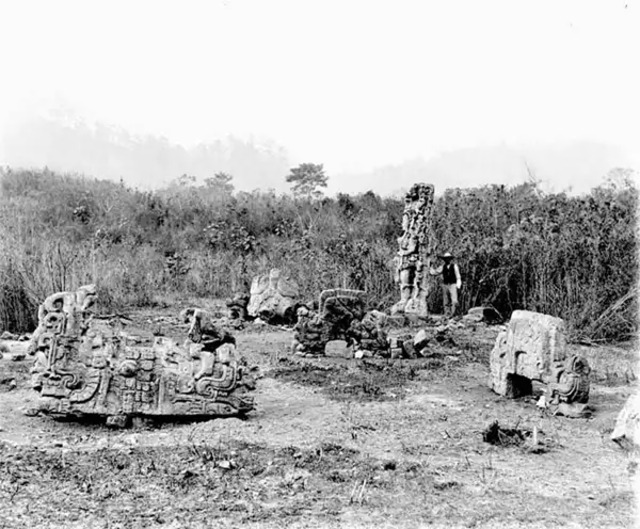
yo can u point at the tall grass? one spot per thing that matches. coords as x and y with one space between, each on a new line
518 248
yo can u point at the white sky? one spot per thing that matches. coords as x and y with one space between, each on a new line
349 83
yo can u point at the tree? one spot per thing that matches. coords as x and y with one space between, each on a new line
185 180
621 178
220 183
306 179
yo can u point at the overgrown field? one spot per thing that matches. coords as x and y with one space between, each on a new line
575 257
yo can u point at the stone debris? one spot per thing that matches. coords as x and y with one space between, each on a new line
496 435
237 306
370 334
421 340
487 315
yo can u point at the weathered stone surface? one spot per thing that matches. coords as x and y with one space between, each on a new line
370 334
421 339
482 314
237 306
274 298
84 367
338 308
53 317
414 253
627 429
533 348
406 344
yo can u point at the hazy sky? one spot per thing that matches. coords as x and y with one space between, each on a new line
353 84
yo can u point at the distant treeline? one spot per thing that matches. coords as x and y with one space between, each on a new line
518 248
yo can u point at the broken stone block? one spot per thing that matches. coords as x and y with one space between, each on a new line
573 410
238 306
532 349
482 314
420 340
627 429
405 342
274 298
474 315
84 367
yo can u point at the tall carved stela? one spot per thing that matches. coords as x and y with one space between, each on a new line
414 253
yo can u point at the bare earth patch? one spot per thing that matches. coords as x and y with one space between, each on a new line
333 442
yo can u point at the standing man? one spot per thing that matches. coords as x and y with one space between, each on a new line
451 282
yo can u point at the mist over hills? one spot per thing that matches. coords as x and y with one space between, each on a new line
575 167
147 162
66 143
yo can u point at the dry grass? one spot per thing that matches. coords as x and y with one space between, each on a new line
575 257
316 456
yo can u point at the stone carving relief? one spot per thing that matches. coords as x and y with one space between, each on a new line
85 368
337 310
414 254
274 298
533 348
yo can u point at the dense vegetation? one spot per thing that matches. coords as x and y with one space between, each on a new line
575 257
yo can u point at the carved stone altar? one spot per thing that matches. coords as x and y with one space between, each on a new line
533 348
414 254
84 367
337 310
274 298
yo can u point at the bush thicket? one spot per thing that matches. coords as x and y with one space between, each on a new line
518 248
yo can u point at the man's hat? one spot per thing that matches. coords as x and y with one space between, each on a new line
446 255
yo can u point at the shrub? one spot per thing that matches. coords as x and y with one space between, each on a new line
518 248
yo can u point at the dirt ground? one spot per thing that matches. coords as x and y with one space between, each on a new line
333 442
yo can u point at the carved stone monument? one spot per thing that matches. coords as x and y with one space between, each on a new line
414 253
533 348
369 335
274 298
337 310
84 367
